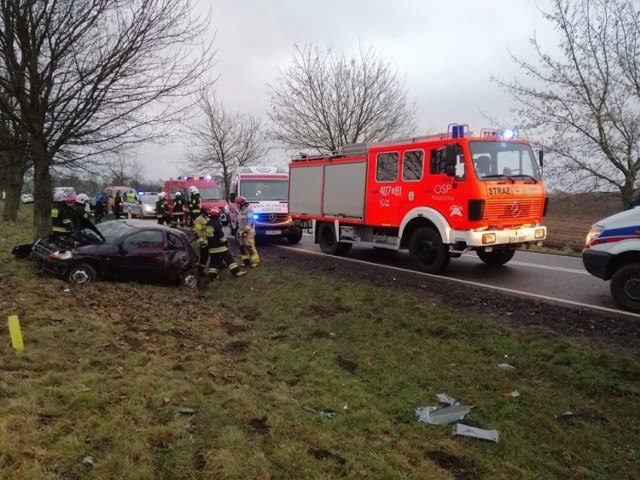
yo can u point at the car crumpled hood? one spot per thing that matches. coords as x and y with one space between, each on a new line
79 224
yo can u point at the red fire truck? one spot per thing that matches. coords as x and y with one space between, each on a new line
438 196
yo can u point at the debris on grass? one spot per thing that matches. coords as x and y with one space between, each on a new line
506 366
479 433
512 394
564 415
88 461
446 399
186 410
325 413
442 416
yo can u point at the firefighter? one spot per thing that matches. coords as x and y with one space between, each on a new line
61 224
195 203
177 216
200 227
219 256
81 205
247 233
162 209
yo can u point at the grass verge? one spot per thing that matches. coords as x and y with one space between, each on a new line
106 367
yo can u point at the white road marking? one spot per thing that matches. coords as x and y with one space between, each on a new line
475 284
535 265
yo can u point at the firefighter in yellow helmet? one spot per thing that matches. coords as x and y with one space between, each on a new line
200 227
61 224
247 233
219 255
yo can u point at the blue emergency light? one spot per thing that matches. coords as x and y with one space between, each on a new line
255 216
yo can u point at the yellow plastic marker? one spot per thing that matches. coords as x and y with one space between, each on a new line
15 333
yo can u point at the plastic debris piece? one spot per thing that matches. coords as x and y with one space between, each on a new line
447 400
326 413
563 415
442 416
513 394
473 432
186 410
506 366
88 461
66 290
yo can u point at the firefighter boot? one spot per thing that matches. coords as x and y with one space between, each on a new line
213 274
236 272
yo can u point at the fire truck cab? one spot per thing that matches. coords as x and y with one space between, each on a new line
210 193
438 196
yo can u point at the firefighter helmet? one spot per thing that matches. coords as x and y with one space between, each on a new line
82 198
162 195
204 211
193 190
178 194
214 212
59 196
241 201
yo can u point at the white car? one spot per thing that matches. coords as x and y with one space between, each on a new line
26 198
146 208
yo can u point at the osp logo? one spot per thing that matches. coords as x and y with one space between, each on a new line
264 169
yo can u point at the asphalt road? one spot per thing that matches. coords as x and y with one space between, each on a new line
548 277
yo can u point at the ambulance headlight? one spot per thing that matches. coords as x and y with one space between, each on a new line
595 232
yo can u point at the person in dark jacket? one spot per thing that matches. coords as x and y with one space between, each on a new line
177 215
117 205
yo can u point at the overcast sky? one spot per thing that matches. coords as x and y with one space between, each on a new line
447 51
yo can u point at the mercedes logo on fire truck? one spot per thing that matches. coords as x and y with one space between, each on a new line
516 209
273 217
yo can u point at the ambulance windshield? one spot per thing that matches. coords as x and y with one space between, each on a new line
265 190
508 160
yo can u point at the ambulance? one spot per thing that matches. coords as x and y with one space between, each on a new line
438 196
266 189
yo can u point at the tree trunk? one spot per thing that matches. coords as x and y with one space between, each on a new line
626 192
42 196
13 181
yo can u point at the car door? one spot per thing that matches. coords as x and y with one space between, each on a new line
142 256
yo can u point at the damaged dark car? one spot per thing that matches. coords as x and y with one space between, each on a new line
130 250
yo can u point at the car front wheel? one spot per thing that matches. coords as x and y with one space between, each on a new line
189 278
625 287
82 274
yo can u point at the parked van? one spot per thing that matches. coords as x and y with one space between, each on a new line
266 188
612 252
210 193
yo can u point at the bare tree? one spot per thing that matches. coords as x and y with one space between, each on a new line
91 76
325 100
123 170
584 105
224 141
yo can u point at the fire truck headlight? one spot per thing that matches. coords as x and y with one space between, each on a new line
539 234
595 232
488 238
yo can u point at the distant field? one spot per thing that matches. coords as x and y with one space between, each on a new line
569 217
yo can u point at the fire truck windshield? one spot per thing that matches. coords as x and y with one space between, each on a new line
210 193
263 190
515 161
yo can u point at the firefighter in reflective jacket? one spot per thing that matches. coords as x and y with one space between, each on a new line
247 233
177 216
219 255
162 209
61 224
200 227
195 203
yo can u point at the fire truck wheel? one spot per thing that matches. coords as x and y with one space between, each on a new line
428 251
625 287
328 243
295 237
497 257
